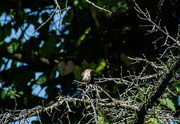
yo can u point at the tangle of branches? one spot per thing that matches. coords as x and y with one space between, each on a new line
136 105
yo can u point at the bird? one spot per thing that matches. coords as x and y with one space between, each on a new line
86 76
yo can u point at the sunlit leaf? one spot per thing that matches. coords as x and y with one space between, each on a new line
101 120
11 94
100 66
155 121
12 13
82 37
177 87
21 92
169 103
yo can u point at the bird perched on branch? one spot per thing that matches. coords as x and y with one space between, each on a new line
86 76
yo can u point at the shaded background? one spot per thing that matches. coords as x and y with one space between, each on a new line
53 57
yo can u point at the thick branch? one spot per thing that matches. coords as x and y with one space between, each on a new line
157 93
25 113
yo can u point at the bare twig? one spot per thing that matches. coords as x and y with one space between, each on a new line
60 13
46 20
98 7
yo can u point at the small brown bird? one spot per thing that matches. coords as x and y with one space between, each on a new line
86 76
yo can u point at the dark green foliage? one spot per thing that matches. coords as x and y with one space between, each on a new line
95 39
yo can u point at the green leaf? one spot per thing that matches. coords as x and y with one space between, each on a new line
177 87
127 61
101 120
21 92
49 46
77 72
75 3
20 76
12 13
42 79
7 30
7 94
82 37
11 94
1 43
80 4
25 100
3 94
86 65
169 103
155 121
100 66
13 47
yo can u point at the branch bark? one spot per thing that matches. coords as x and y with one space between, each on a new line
157 93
